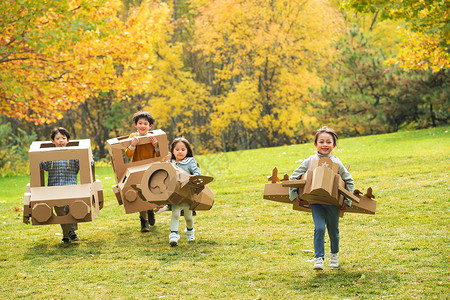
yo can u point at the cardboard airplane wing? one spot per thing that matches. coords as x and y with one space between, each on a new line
320 184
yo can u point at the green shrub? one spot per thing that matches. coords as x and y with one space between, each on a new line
14 150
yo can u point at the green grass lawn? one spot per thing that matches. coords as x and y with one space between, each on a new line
247 247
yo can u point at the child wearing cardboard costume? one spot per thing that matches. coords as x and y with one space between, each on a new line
324 215
143 121
62 172
182 156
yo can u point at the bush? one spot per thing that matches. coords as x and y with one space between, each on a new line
14 150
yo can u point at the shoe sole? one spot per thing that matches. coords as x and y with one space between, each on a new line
333 267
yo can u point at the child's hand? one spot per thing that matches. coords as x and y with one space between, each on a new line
343 207
134 141
154 142
303 203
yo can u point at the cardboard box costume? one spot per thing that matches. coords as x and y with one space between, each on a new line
84 200
320 184
146 184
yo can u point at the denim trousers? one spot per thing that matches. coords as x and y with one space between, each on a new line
325 215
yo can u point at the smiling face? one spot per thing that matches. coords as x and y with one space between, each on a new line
325 143
60 140
179 151
143 126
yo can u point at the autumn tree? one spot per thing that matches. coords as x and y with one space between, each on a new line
260 57
362 95
178 103
426 30
56 54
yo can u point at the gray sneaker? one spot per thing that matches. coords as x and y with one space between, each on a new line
318 263
190 235
334 260
173 239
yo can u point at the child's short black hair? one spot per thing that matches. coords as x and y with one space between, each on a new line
328 130
185 142
143 115
61 130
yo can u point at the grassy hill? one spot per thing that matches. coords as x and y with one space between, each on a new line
247 247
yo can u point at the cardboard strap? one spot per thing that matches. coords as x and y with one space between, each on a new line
347 194
294 183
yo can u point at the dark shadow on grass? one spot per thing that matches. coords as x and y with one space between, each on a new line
125 242
348 283
57 249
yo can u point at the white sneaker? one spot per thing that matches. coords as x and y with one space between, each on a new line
334 263
190 236
173 239
318 263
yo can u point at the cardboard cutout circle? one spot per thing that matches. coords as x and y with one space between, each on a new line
131 195
159 182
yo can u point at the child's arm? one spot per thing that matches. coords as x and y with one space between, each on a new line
129 151
293 192
193 167
155 146
300 170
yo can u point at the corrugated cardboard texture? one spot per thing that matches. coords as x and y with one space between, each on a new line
84 200
116 146
165 183
149 183
365 206
129 174
319 185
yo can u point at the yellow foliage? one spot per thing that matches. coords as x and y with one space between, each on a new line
421 51
266 55
66 54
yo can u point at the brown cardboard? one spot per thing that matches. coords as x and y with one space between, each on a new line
325 161
366 205
117 145
324 185
195 192
276 192
147 184
84 200
320 184
129 174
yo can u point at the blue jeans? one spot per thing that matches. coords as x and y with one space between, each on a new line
325 215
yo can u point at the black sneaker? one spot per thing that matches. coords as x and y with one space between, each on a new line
65 240
144 225
151 217
73 236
